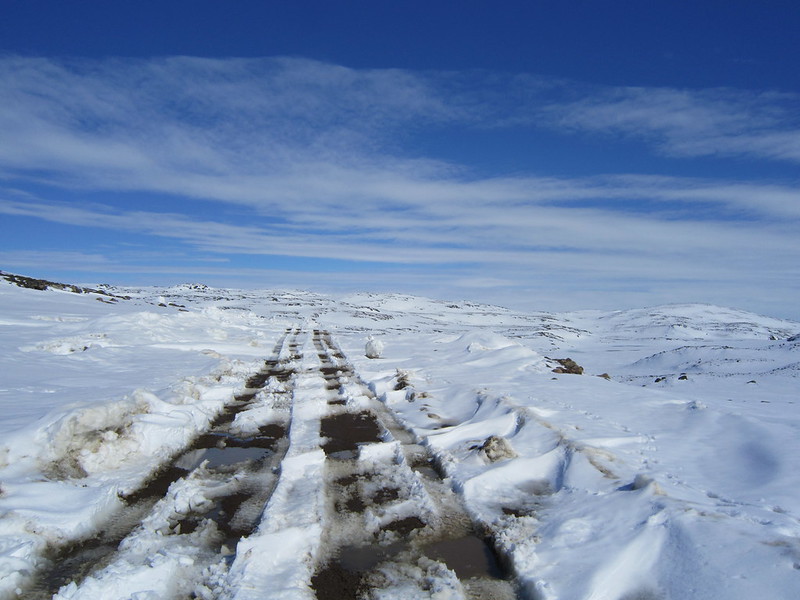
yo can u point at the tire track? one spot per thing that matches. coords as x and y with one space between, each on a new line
395 526
191 513
306 471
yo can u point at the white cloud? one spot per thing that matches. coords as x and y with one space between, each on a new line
305 159
492 234
130 120
721 122
273 132
51 259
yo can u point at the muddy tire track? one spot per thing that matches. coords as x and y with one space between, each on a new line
395 526
198 505
305 447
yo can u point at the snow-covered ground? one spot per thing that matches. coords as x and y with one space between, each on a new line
668 469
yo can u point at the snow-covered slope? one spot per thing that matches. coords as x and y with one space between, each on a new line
675 475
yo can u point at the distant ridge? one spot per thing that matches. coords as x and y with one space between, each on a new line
32 283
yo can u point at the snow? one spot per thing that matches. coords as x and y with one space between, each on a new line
674 477
373 348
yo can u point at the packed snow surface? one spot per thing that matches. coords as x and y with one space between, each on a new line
669 469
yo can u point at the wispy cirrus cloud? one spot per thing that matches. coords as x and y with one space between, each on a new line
200 116
216 129
548 258
713 122
496 232
296 158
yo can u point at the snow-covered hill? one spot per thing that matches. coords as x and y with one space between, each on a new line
669 469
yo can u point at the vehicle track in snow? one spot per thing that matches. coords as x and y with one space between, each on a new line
307 445
395 527
196 508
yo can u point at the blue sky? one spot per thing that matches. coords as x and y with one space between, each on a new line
549 155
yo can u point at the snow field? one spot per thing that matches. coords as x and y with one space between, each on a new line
592 499
676 479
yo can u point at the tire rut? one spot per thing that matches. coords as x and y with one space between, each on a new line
388 522
202 502
396 527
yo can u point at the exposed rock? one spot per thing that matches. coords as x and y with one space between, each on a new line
403 380
568 366
43 284
497 448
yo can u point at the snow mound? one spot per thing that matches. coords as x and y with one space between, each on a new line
374 348
477 341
